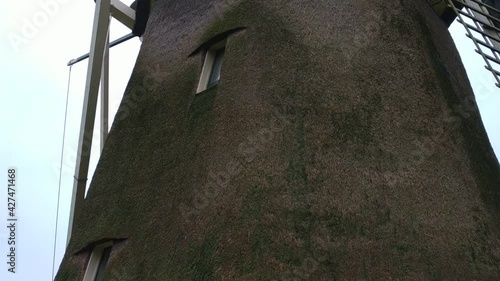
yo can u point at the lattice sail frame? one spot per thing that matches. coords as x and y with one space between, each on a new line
486 35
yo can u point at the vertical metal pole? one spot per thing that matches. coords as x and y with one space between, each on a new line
97 47
105 95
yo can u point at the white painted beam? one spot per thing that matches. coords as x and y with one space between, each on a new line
97 49
123 13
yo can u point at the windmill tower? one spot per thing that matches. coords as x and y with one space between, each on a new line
293 140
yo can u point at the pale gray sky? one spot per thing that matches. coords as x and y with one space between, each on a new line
34 78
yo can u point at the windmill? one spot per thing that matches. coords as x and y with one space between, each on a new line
293 140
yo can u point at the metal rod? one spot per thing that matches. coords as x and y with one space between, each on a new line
479 3
489 57
105 95
484 45
112 44
480 32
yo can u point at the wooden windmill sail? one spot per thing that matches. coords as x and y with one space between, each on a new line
482 24
98 74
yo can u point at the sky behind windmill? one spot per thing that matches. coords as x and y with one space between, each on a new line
34 76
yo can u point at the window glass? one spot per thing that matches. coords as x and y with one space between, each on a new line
102 263
216 68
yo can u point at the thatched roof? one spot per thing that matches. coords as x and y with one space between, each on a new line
342 143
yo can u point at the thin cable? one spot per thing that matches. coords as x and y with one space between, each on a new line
60 174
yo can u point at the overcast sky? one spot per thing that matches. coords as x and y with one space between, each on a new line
34 76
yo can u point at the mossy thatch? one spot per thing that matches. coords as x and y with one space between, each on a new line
342 143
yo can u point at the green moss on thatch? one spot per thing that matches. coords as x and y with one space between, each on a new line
315 194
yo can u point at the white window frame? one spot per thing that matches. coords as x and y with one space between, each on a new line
95 260
208 65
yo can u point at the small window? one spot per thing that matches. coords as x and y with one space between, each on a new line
97 264
211 72
215 73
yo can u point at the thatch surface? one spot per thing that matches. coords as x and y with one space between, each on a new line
348 138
